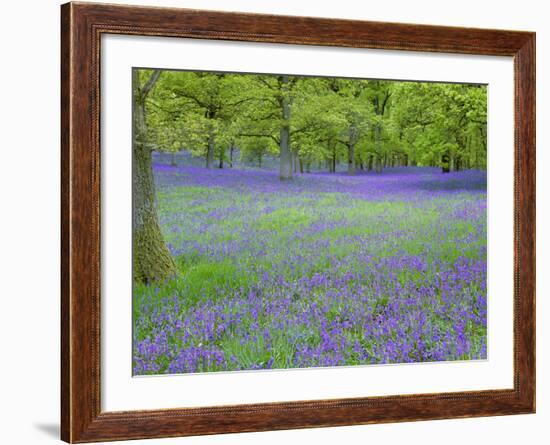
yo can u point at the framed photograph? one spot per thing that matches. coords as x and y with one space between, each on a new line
274 222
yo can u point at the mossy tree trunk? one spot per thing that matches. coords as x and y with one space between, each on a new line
152 260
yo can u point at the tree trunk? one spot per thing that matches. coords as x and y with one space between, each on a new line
445 163
370 163
285 168
378 148
294 161
483 138
210 149
151 259
231 149
333 159
222 156
173 162
351 159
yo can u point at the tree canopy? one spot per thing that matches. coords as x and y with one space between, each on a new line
314 122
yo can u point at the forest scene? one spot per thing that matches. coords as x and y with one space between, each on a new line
284 221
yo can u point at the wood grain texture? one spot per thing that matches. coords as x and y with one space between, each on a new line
81 28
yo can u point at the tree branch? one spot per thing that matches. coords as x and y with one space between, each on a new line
156 105
195 99
150 83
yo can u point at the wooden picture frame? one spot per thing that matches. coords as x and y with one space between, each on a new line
82 25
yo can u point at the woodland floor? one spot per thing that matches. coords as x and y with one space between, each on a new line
323 270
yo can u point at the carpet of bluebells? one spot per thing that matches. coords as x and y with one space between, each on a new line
323 270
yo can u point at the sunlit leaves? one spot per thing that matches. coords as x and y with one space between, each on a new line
415 123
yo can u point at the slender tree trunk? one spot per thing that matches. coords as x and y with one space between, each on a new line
294 161
173 162
301 165
333 160
231 149
151 259
210 149
331 146
222 157
285 171
378 148
469 150
285 168
351 159
445 163
483 137
378 165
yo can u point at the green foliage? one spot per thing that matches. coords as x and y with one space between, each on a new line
442 124
370 124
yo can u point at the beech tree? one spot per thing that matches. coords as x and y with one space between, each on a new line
269 115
